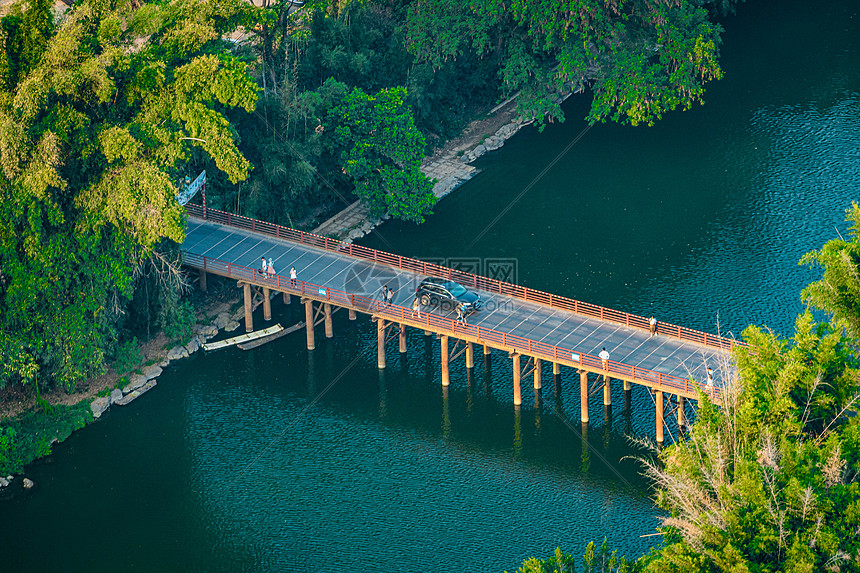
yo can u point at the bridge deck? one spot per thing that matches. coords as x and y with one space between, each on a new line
628 346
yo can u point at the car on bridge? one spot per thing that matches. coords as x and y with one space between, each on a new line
447 294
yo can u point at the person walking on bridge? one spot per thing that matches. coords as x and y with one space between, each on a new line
604 356
384 295
271 269
652 325
293 276
263 267
461 314
416 307
389 296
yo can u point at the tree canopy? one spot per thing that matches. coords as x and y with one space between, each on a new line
94 139
640 58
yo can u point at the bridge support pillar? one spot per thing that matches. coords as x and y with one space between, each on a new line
380 343
659 398
203 281
518 395
427 333
682 416
267 304
309 322
402 338
486 350
470 355
445 377
556 369
607 391
627 385
583 396
249 316
329 329
537 374
287 298
352 314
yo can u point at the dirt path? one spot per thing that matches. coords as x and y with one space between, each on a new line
476 131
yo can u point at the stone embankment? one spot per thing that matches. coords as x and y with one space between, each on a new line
208 326
447 169
142 382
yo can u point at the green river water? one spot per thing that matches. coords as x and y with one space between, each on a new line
282 459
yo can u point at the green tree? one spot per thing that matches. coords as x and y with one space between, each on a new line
838 291
92 143
767 481
37 27
374 141
595 560
640 58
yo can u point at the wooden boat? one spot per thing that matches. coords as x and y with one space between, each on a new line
271 337
243 338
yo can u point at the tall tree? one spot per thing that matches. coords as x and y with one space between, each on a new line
374 141
91 148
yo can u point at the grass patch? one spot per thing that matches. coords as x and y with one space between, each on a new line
29 436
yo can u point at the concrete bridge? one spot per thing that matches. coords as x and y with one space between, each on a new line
530 326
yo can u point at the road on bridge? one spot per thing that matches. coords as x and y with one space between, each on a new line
630 345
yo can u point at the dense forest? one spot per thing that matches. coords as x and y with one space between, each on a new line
291 111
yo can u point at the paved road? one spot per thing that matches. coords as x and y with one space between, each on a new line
580 333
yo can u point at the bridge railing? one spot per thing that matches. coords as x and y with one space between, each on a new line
467 279
441 324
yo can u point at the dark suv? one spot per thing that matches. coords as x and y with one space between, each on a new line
447 294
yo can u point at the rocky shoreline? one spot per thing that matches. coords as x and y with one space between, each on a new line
448 169
209 324
141 383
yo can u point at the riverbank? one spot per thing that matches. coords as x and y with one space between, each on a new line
30 423
448 168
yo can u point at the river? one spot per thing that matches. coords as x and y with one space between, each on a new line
285 460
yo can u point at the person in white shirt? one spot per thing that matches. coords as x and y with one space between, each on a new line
605 357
